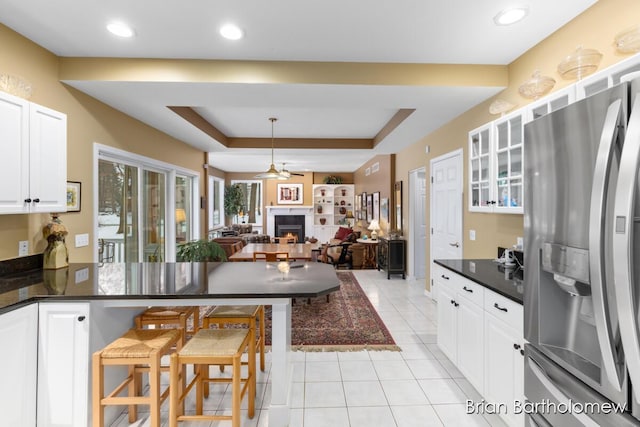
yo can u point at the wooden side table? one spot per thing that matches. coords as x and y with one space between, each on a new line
370 246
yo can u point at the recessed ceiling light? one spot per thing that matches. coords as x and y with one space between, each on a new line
120 29
511 16
231 32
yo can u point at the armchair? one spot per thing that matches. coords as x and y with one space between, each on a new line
343 258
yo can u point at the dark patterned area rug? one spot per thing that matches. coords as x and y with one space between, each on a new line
348 322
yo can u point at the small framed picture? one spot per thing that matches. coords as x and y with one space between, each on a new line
376 205
384 209
73 196
289 194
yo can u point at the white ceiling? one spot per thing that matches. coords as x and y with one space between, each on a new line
400 31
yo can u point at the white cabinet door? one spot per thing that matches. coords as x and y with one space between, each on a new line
63 364
504 366
470 341
480 146
14 161
447 323
47 159
19 367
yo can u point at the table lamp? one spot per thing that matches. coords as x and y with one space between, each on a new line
374 227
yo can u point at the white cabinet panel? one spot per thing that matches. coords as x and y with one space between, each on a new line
33 142
63 364
447 323
19 367
471 342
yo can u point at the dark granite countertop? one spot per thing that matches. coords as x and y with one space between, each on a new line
489 274
166 281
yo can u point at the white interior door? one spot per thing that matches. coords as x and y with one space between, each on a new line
446 208
417 219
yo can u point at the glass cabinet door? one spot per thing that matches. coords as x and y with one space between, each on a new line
508 163
480 166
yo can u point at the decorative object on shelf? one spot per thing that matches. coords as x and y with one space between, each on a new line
73 196
397 199
580 63
272 173
342 210
500 106
322 192
323 221
332 179
56 254
289 194
537 86
344 192
376 206
628 41
319 210
374 227
342 203
15 85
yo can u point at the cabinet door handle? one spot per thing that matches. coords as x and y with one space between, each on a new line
444 277
455 245
453 302
516 346
36 200
456 304
27 200
522 352
500 308
81 318
467 289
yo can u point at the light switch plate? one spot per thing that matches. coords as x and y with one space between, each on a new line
82 240
472 234
82 275
23 248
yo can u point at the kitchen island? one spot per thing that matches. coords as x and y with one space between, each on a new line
95 304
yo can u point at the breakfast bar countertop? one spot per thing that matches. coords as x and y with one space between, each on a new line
490 274
92 281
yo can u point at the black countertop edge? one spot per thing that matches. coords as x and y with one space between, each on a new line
489 274
72 298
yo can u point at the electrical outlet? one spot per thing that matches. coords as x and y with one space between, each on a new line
472 234
23 248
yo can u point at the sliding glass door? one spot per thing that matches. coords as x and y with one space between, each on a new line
145 208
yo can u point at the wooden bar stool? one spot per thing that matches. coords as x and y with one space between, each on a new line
159 316
213 347
140 350
251 315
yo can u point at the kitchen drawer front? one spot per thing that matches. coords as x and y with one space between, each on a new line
503 308
472 291
443 275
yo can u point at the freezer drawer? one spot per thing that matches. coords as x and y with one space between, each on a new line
562 400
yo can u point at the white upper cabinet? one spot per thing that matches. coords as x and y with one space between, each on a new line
33 140
607 77
496 168
480 145
552 102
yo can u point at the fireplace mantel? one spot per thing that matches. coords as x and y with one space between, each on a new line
272 211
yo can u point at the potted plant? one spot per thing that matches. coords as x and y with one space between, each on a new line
200 251
332 179
234 200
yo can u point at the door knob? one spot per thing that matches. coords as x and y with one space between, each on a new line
455 245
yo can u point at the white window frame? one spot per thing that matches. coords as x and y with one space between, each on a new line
210 198
108 153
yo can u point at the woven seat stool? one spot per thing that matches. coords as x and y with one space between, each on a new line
159 316
140 350
213 347
251 315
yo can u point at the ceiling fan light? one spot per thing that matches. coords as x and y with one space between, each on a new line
272 173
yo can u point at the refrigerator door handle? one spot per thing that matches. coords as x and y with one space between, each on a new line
597 223
623 245
557 393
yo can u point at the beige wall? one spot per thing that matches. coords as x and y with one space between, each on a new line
381 181
595 28
88 121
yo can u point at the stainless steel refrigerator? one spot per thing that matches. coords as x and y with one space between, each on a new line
582 262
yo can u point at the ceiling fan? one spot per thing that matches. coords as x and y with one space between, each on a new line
285 174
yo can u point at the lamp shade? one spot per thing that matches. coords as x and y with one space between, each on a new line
373 225
181 215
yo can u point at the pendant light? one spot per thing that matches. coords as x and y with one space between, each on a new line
272 173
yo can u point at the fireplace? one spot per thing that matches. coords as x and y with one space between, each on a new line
290 225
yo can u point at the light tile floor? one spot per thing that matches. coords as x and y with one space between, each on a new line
418 386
